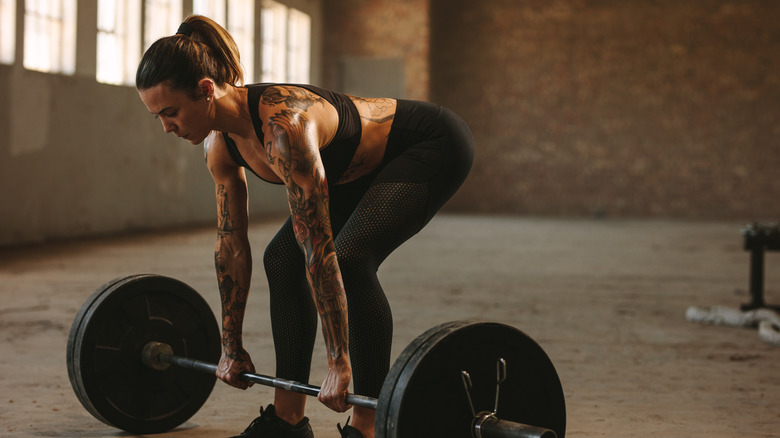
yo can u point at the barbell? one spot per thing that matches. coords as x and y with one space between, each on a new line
142 348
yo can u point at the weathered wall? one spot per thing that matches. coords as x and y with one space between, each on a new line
378 29
579 107
606 107
78 158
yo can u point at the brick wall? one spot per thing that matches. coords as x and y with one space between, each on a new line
382 29
593 107
644 108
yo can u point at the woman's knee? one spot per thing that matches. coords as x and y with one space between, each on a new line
281 257
355 263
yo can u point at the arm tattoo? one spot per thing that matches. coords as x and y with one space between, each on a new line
307 194
224 224
233 298
286 134
293 97
233 295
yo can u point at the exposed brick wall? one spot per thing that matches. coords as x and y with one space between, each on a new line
642 108
382 29
593 107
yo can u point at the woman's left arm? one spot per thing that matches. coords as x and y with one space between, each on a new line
293 134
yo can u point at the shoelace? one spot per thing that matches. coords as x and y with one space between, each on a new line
255 423
346 433
341 431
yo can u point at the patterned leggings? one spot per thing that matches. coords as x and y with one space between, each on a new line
429 154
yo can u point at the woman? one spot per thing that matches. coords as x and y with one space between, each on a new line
362 176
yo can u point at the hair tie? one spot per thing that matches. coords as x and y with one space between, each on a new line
185 29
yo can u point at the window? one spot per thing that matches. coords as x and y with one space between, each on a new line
298 46
214 9
119 41
237 16
161 18
7 31
241 24
286 43
50 35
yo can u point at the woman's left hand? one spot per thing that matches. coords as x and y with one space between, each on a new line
334 389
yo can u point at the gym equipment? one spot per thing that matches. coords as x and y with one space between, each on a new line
141 354
759 238
105 343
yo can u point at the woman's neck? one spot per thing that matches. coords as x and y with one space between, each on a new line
231 111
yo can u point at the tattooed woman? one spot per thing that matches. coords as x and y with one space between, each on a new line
362 176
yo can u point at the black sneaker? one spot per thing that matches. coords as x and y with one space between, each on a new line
268 425
348 431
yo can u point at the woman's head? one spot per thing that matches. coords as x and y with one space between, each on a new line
201 49
177 76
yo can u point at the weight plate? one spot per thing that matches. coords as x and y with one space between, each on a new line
424 395
75 328
104 353
384 421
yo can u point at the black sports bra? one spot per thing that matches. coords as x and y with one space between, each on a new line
336 155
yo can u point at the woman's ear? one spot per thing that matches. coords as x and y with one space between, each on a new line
206 88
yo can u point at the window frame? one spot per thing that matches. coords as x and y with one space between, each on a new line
126 37
50 36
285 58
7 31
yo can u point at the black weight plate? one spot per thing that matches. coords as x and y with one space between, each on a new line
385 416
424 395
104 353
75 328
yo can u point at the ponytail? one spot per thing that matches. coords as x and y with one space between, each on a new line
201 48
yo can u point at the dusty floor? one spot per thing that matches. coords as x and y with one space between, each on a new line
606 299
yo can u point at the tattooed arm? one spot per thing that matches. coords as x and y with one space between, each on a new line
298 123
233 259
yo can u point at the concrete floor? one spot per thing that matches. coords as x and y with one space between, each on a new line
605 298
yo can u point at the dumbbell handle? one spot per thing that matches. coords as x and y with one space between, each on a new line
159 356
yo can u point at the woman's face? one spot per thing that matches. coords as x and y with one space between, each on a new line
178 111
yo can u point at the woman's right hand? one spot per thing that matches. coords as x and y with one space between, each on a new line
232 364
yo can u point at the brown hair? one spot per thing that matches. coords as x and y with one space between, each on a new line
202 48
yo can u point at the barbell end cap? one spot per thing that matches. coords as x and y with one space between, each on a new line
150 355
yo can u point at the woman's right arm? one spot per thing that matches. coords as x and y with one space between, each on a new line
232 258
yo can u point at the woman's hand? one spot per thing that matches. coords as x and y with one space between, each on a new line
232 364
336 385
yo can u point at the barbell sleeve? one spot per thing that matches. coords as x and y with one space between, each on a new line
490 426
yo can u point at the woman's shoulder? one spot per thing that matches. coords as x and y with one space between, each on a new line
215 152
294 96
213 141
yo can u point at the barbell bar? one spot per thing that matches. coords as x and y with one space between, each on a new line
123 340
159 356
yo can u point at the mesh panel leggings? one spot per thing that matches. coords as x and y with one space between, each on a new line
429 153
388 215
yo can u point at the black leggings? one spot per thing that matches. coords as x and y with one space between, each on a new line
429 153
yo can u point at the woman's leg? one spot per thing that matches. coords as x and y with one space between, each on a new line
388 215
423 170
293 319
